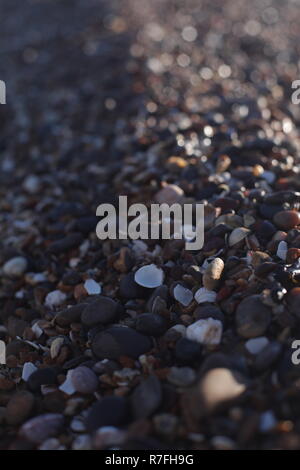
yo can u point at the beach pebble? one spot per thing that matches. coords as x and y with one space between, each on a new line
146 397
45 376
41 427
252 317
181 376
267 421
92 287
103 310
32 184
208 331
67 386
204 295
84 380
151 324
120 341
55 298
282 250
149 276
286 220
187 351
293 301
213 273
183 295
19 407
108 411
221 385
108 436
256 345
237 235
15 267
28 369
170 194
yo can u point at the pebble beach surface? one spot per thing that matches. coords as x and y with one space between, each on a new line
142 344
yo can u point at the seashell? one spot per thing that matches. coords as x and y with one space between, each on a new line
28 369
237 235
183 295
282 250
232 220
92 287
149 276
205 331
204 295
213 273
67 386
56 346
55 298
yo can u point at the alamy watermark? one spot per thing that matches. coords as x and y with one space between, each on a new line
2 92
163 221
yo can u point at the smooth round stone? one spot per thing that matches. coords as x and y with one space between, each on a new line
15 267
104 310
41 427
46 376
209 311
70 315
84 380
129 289
19 407
120 341
207 331
149 276
181 376
256 345
109 411
221 385
252 317
146 397
151 324
267 356
170 194
293 301
286 220
187 351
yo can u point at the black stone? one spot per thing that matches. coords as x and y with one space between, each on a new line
104 310
151 324
187 351
46 376
110 411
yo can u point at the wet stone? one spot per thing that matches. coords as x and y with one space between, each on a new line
45 376
84 380
181 376
41 427
252 317
286 220
146 397
19 407
72 240
187 351
120 341
129 289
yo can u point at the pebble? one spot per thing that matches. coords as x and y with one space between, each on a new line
73 240
84 380
108 411
45 376
70 315
181 376
67 386
82 442
221 385
129 289
183 295
293 301
213 273
28 369
55 299
149 276
187 351
252 317
146 397
92 287
206 311
170 194
32 184
267 421
120 341
151 324
286 220
256 345
108 436
15 267
103 310
204 295
208 331
237 235
267 356
282 250
38 429
19 407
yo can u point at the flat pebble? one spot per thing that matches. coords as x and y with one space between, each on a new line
181 376
170 194
28 369
204 295
55 299
252 317
102 311
208 331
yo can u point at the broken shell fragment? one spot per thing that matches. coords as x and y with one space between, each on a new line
204 295
149 276
237 235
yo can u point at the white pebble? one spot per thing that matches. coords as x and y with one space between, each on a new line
15 267
55 298
282 250
28 369
32 184
149 276
183 295
206 331
92 287
204 295
256 345
37 330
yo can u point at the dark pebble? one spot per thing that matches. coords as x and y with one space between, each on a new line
267 356
73 240
146 398
129 289
208 311
151 324
110 411
70 315
187 351
19 407
120 341
252 317
46 376
104 310
41 427
286 220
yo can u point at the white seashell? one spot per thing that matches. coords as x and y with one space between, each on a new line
56 347
68 387
204 295
55 298
237 235
149 276
206 331
282 250
37 330
28 369
92 287
183 295
256 345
